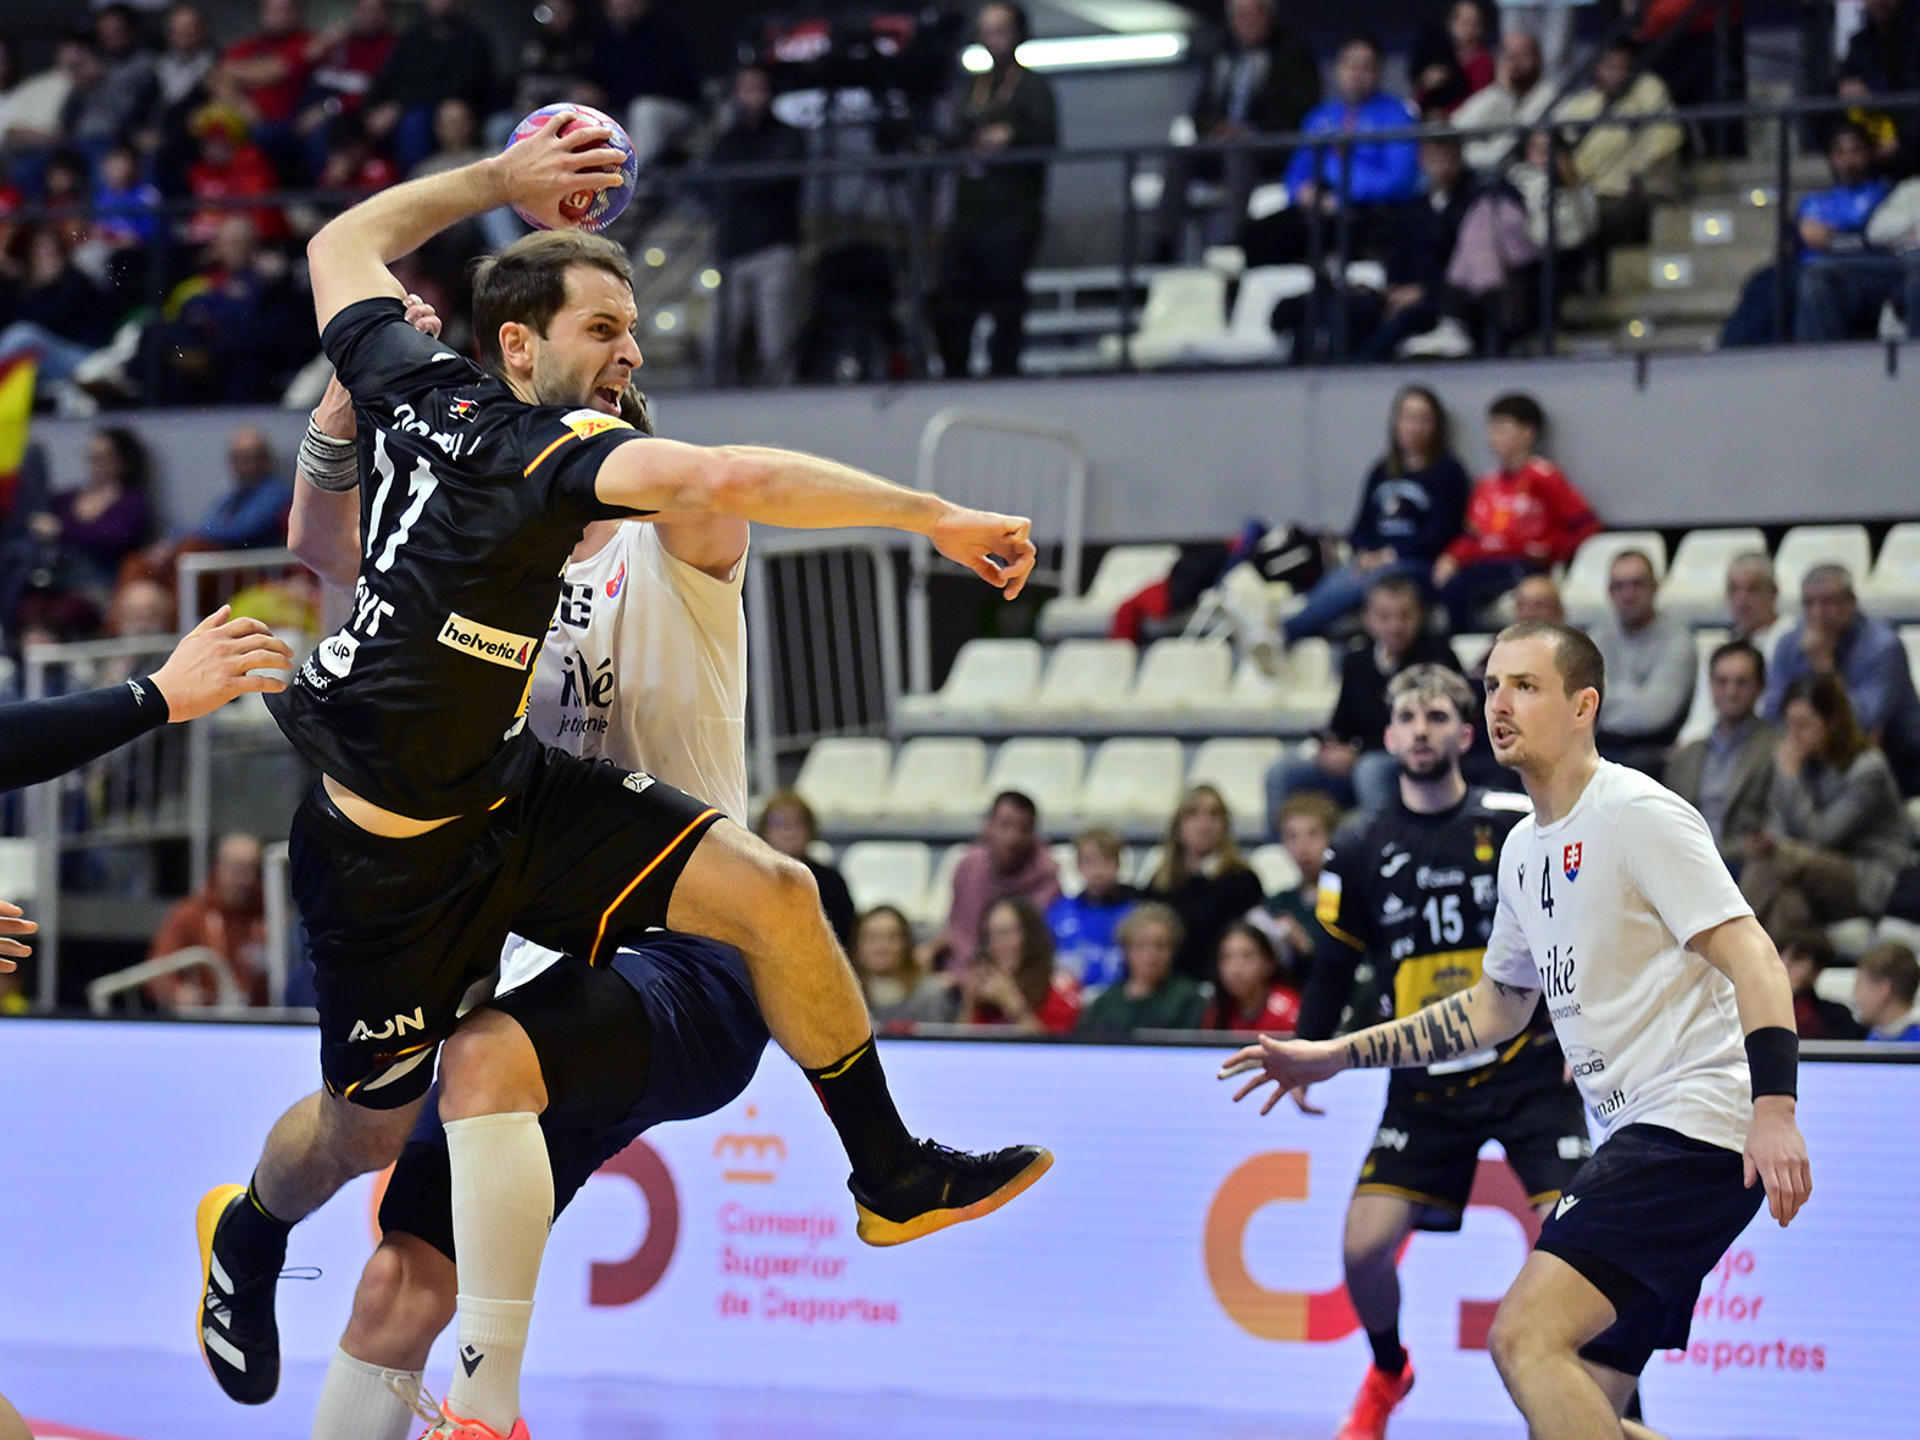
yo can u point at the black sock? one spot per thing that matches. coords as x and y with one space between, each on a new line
853 1091
255 1236
1633 1407
1388 1356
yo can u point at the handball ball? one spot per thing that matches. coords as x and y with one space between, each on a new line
585 209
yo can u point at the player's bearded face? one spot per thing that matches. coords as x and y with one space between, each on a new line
1427 741
588 352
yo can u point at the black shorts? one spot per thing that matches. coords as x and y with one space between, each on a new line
1645 1221
667 1030
582 857
1428 1146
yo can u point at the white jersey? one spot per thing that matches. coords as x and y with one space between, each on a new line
1596 910
645 666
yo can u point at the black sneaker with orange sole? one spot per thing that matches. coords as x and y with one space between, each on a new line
238 1334
941 1187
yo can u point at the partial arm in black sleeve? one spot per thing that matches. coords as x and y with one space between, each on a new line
40 739
1329 987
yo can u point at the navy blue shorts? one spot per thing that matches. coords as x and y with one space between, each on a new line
1645 1221
665 1030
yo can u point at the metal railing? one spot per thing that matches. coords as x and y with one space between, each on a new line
1007 464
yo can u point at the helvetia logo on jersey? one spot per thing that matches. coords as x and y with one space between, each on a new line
1570 863
588 423
497 647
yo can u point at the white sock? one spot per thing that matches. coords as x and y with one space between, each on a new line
356 1403
502 1210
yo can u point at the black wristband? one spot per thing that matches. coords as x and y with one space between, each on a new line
1773 1058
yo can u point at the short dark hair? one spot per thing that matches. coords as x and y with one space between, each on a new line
1362 37
1020 801
1896 964
1398 584
1022 22
1520 407
1578 659
1428 682
1853 128
1739 647
1634 554
527 282
1811 942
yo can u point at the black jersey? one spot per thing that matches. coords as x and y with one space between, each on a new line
470 500
1416 894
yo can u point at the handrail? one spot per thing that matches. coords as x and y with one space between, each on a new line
101 992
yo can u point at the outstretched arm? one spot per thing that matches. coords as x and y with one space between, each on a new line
805 492
1488 1014
1776 1153
348 259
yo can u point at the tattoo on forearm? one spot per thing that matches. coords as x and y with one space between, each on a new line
1438 1032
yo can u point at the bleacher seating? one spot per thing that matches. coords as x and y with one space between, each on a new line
938 777
1181 676
1237 767
1584 591
1123 571
1133 783
1806 546
1700 714
1892 590
1086 677
1695 589
1275 867
1185 309
887 872
988 677
1047 769
844 776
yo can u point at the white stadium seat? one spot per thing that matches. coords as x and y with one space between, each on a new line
1046 770
1892 591
1133 782
1249 334
1470 650
1806 546
1700 716
1087 676
988 677
1067 858
887 872
1585 588
1237 768
18 875
1124 571
1176 675
1910 637
941 776
1695 589
1276 869
845 776
1186 308
1300 698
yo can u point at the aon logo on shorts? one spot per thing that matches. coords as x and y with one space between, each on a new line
392 1029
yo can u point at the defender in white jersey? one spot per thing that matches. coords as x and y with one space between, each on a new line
1614 902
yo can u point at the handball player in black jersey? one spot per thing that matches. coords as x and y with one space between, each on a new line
1414 890
439 825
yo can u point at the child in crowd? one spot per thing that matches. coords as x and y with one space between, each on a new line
1083 925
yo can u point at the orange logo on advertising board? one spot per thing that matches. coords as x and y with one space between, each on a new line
1315 1317
754 1157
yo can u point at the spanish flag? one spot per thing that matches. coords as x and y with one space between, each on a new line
16 414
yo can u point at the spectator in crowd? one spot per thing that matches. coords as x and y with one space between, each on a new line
253 513
1727 774
442 56
1627 166
1352 764
1412 508
1893 233
346 58
1012 980
787 823
181 69
1883 55
125 205
758 237
1008 859
1154 995
1202 876
1835 839
989 247
555 60
1248 992
1538 598
228 166
120 93
1084 925
1650 667
1452 62
1423 312
1679 38
1834 638
1806 953
226 917
1551 22
1262 82
1831 225
90 530
1518 95
900 993
1545 169
1288 918
1885 980
266 75
34 107
1523 518
644 72
1842 284
1753 602
350 163
229 339
59 313
1374 178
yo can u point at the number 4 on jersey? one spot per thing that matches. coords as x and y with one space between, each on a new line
1546 887
420 485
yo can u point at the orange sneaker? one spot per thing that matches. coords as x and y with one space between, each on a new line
452 1427
1379 1394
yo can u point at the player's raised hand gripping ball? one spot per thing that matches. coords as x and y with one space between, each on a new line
604 188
